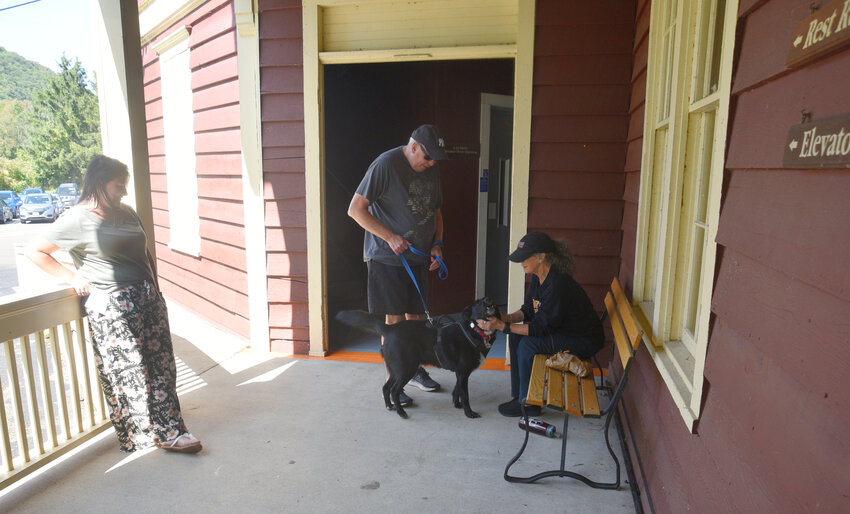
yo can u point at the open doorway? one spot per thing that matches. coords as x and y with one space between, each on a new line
371 108
494 197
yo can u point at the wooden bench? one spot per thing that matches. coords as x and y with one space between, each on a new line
580 397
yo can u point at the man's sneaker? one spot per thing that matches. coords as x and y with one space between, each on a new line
403 399
423 381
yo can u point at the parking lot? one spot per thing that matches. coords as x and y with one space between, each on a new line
12 233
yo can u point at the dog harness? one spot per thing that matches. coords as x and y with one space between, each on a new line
482 345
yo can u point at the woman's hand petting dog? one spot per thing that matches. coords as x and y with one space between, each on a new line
490 324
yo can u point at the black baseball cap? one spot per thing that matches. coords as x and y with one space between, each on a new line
531 243
430 137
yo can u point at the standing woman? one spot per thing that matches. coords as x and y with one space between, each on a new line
556 316
128 321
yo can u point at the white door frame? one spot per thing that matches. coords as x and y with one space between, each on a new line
313 61
488 100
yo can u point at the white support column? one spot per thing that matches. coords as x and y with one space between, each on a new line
112 85
523 83
248 50
121 99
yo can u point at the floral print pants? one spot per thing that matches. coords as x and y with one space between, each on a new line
135 360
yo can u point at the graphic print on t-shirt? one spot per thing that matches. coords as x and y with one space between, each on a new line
536 304
420 197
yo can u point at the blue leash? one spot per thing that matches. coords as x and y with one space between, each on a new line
443 274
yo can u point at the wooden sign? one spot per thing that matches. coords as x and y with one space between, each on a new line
461 151
825 30
819 144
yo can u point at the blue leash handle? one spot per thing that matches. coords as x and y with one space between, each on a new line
443 274
444 271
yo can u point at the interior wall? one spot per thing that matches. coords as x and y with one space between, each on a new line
371 108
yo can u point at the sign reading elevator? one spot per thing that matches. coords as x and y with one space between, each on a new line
819 144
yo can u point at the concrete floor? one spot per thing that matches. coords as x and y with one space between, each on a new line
302 435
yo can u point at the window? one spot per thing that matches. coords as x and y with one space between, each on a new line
179 133
687 105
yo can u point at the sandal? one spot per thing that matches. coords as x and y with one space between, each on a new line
189 448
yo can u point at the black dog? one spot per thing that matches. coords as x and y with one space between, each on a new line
454 343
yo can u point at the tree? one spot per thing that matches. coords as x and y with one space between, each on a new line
64 126
19 77
15 171
15 174
13 126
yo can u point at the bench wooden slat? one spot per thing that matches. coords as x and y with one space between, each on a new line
555 389
537 383
625 308
623 346
573 406
589 402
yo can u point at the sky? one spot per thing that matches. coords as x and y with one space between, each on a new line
42 30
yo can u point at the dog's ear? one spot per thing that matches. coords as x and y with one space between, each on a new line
467 312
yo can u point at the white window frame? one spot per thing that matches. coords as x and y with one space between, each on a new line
682 171
179 135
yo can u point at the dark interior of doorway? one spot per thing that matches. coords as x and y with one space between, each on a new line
371 108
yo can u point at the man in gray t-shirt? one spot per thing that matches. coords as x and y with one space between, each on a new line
398 203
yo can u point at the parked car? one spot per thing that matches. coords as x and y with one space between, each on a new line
68 194
38 206
5 211
14 201
58 204
31 190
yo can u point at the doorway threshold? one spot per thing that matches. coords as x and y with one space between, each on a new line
366 350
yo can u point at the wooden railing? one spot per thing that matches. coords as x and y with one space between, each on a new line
50 396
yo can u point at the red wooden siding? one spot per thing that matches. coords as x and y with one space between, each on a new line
580 120
282 106
784 235
774 414
215 283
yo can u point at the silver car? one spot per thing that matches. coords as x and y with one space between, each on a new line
68 194
38 207
57 203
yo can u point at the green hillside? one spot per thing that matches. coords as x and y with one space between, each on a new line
19 77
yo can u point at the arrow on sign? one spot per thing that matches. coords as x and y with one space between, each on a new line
793 145
798 41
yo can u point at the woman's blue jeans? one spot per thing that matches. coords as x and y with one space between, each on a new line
524 348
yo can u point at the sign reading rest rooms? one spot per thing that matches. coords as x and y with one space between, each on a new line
828 28
819 144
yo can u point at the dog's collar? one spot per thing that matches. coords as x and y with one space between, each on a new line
487 337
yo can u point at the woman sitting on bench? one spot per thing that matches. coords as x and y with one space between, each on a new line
557 315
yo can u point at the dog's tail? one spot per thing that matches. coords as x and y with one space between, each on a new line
362 319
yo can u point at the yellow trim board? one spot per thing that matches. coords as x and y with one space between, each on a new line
419 54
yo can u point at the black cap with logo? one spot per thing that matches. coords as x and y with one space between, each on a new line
430 137
531 243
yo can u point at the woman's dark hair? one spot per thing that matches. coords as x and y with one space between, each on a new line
561 258
101 170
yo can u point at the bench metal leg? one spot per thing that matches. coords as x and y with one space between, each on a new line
562 472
